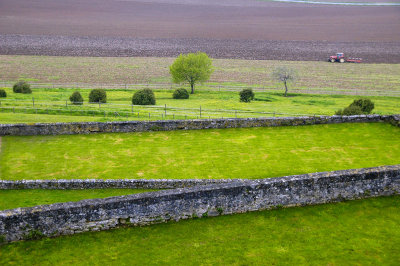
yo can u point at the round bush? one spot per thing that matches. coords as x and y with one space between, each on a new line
98 96
366 105
180 94
350 110
76 98
3 93
22 87
144 97
246 95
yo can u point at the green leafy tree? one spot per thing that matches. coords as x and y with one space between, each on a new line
191 68
3 93
350 110
144 97
246 95
285 75
76 98
180 93
97 96
366 105
357 107
22 87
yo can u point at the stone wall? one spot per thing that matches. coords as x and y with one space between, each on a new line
393 120
200 201
140 126
108 183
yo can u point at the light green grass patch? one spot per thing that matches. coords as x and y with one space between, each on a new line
224 153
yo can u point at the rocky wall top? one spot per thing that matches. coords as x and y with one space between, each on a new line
108 183
166 125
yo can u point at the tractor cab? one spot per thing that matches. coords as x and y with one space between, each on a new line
339 57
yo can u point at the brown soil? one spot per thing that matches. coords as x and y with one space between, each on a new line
223 28
371 52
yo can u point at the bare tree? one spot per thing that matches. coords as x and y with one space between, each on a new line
285 75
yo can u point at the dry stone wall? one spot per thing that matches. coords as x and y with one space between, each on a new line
108 183
200 201
165 125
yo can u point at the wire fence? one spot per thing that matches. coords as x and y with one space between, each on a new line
114 110
214 87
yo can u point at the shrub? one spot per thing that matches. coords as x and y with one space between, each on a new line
357 107
350 110
97 96
180 94
144 97
366 105
3 93
22 87
246 95
76 98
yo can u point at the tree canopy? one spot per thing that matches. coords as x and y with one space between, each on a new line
191 68
285 75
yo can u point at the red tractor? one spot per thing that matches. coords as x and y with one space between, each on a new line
339 57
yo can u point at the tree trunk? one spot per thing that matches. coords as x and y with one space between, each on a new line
192 86
285 89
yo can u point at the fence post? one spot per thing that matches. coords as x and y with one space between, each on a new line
235 114
99 104
138 114
149 116
132 108
200 111
173 116
33 101
66 103
165 109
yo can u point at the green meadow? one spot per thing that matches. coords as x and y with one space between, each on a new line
220 153
205 103
362 232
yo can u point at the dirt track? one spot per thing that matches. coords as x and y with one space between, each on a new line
223 28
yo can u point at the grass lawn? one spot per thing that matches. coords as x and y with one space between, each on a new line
11 118
10 199
222 153
118 107
363 232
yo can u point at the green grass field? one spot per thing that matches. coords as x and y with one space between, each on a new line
11 118
223 153
10 199
364 232
51 102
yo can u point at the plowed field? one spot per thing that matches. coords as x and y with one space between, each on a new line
246 29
